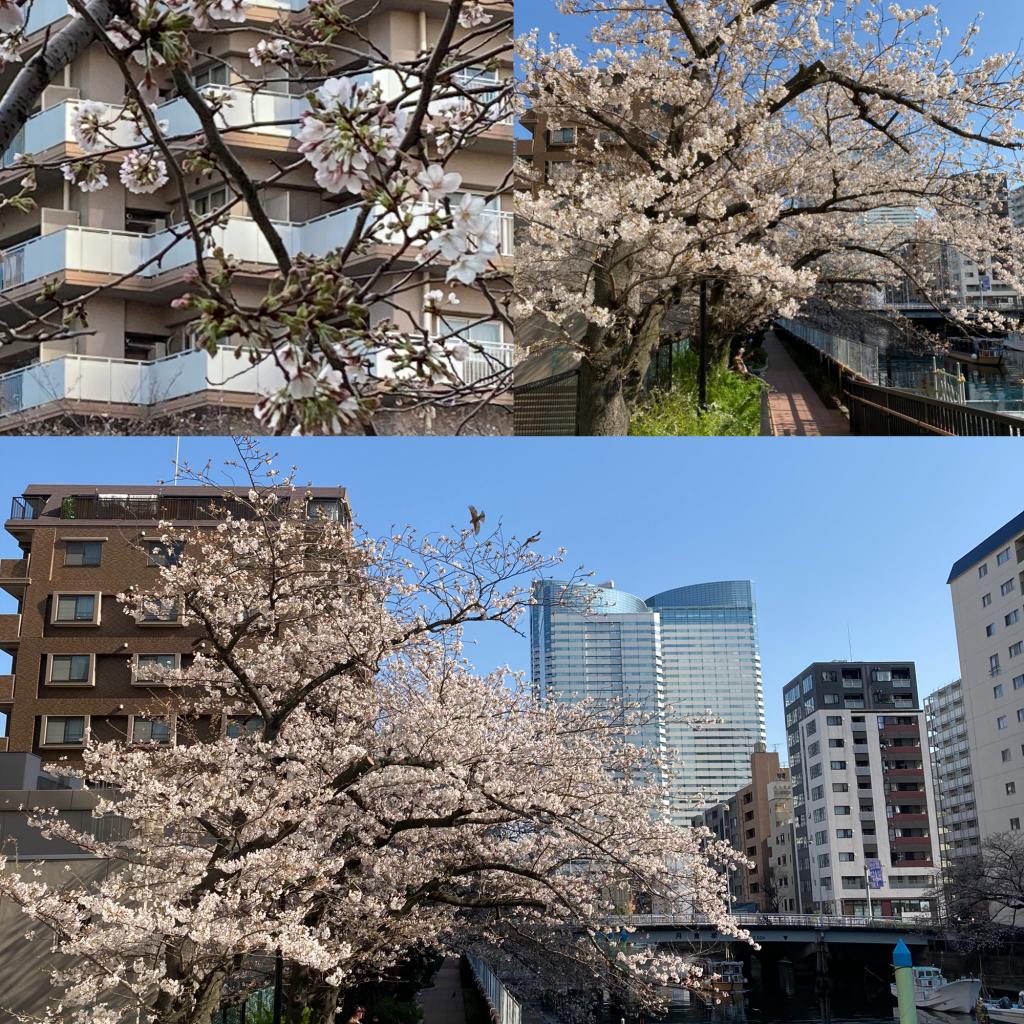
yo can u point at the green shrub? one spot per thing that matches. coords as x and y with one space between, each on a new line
734 405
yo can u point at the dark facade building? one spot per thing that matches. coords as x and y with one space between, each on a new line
80 666
863 797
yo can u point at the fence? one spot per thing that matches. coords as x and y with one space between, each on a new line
505 1008
861 358
547 407
890 412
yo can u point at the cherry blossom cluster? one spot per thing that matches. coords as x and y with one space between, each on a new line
379 797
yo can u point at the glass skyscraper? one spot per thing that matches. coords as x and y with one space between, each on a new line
684 652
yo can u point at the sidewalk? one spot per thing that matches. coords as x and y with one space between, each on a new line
442 1003
796 409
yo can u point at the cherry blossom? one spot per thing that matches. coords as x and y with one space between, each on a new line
346 789
143 171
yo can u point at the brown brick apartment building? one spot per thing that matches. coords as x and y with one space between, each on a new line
79 662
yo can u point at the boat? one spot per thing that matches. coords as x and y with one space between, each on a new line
980 353
729 980
933 992
1003 1011
1014 342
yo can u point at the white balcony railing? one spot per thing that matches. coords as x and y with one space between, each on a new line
127 382
52 127
102 251
46 12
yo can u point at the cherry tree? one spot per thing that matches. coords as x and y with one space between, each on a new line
345 790
757 148
349 323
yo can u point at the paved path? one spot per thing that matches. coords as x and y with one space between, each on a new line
442 1003
797 411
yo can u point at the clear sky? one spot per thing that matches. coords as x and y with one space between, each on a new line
1002 27
838 535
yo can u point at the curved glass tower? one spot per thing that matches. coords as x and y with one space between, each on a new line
688 651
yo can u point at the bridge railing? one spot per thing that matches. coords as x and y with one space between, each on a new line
877 411
505 1008
818 921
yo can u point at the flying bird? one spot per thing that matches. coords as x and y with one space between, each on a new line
476 518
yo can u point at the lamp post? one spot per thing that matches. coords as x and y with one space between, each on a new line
903 962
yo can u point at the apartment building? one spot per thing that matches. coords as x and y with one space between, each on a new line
953 777
80 666
986 586
691 651
748 820
139 358
782 869
863 796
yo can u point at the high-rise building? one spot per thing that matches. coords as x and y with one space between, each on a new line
986 586
684 652
863 796
748 820
138 357
80 666
951 770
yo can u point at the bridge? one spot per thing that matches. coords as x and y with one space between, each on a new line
765 929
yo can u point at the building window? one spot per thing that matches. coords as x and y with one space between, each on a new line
1018 682
834 719
1003 557
159 612
160 553
1005 754
63 730
1012 618
792 695
813 749
844 833
823 860
76 609
1016 649
1006 588
829 676
843 809
831 698
838 766
1001 722
990 629
997 691
210 74
85 553
563 136
818 793
993 664
811 728
881 675
818 815
157 731
982 570
149 669
1020 715
821 838
840 787
837 743
243 725
70 670
324 508
815 770
1015 824
1011 788
986 600
209 201
845 858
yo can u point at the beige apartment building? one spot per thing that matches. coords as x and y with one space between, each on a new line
140 355
750 820
987 588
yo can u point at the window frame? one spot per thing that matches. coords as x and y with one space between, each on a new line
173 730
55 597
66 541
44 720
153 654
48 679
143 622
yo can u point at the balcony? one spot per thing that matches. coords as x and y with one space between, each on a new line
126 382
14 575
47 12
6 689
897 774
52 127
131 254
898 730
10 629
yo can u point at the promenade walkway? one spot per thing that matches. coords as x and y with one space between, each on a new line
443 1002
796 409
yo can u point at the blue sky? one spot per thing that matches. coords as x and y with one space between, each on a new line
1002 27
837 534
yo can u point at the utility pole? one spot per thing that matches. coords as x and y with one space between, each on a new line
702 355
